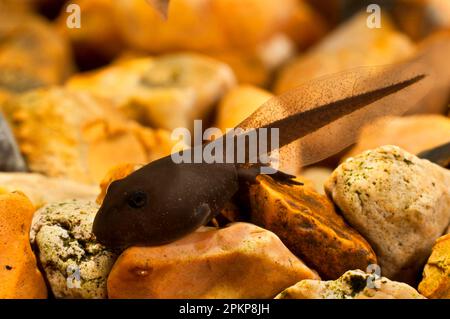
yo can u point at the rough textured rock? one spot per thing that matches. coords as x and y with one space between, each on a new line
351 45
308 225
239 261
398 202
78 136
354 284
166 92
43 190
411 133
19 275
436 275
75 265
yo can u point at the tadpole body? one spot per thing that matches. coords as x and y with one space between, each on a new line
164 201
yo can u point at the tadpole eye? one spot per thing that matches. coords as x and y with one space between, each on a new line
137 199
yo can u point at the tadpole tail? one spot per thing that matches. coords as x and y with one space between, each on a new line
303 123
324 116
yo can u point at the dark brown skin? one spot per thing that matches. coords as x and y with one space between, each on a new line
181 198
164 201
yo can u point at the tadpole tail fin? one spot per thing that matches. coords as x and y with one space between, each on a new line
324 116
307 122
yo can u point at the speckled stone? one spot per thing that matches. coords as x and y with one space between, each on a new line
75 264
398 202
354 284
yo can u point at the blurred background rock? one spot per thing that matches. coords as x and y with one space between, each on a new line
211 60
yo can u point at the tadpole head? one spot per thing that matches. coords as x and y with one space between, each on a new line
119 221
162 202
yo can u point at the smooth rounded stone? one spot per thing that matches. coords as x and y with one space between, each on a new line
11 159
411 133
354 284
436 274
257 66
167 92
349 8
436 48
239 261
20 277
238 104
207 26
420 18
76 266
76 135
161 6
250 66
4 95
318 175
43 190
309 226
33 54
351 45
307 25
254 40
253 63
16 5
97 23
398 202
